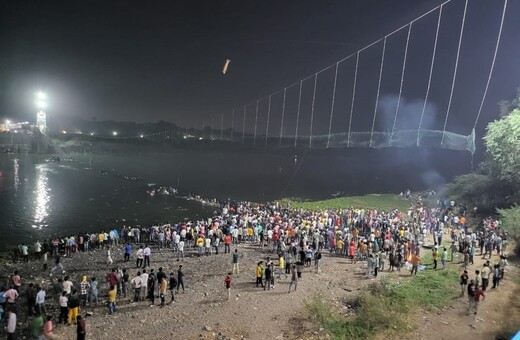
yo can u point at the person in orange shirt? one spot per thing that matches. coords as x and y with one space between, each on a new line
227 244
416 260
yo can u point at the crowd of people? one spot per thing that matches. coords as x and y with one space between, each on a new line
296 239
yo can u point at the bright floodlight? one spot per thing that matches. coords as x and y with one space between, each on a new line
142 136
92 133
8 122
41 95
114 133
41 104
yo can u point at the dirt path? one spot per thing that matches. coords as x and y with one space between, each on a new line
252 313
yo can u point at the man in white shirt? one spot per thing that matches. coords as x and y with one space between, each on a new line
137 282
67 285
139 257
40 301
147 252
144 284
180 250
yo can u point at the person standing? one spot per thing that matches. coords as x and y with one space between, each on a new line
227 282
40 301
444 258
471 296
180 279
173 285
139 257
294 279
281 266
81 329
236 257
73 304
496 276
268 273
485 273
259 274
180 250
163 284
128 251
147 252
48 328
479 296
37 327
416 260
435 256
317 260
64 307
463 282
137 283
227 244
144 285
112 294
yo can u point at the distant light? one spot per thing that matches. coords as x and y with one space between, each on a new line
41 95
185 137
142 136
114 133
79 132
92 133
200 138
64 132
8 122
41 104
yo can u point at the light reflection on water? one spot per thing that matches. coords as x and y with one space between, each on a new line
42 196
16 168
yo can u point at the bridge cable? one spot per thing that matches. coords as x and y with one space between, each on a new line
430 77
454 72
492 63
283 114
332 104
378 88
312 108
298 114
353 98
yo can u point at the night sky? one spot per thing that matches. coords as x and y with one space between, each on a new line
162 60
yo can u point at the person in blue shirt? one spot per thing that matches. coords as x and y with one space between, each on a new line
128 251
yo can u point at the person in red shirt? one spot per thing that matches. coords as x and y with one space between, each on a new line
227 244
227 282
48 328
479 296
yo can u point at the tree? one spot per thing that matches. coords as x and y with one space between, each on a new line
510 220
503 145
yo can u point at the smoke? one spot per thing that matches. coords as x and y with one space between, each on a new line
409 114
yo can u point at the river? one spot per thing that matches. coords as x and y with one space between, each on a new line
39 199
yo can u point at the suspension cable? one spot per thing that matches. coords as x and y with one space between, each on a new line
353 98
298 114
312 108
267 125
332 104
283 113
430 77
256 122
455 72
402 81
378 88
492 64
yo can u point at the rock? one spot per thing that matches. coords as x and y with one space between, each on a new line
207 328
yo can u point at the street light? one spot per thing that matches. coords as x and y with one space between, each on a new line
114 133
41 95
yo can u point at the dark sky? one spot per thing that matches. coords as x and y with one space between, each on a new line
162 60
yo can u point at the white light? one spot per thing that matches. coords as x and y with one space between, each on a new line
185 137
41 95
92 133
200 138
114 133
142 136
64 132
41 104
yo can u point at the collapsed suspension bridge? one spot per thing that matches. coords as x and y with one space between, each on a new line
254 123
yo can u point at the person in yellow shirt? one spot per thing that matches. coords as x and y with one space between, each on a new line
435 257
281 266
200 245
259 273
112 293
101 239
416 260
340 245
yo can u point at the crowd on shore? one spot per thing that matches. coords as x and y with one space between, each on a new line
296 238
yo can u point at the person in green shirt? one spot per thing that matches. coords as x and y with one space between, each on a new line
37 327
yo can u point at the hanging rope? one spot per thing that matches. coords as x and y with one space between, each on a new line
353 99
298 113
211 131
430 76
455 72
378 88
203 128
312 108
268 114
256 122
332 104
492 64
402 81
283 113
